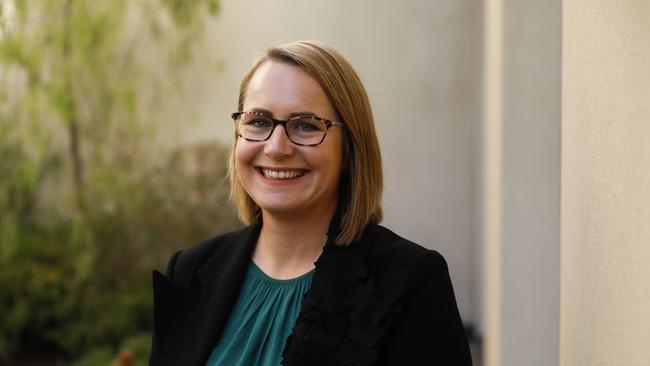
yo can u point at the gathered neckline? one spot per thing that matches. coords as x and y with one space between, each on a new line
259 273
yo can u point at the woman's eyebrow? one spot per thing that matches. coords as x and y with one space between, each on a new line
302 113
268 113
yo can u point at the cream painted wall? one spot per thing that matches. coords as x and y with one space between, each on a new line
531 182
420 61
606 183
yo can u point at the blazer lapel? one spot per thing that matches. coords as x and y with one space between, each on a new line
190 321
221 278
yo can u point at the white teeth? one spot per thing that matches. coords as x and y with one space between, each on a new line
283 174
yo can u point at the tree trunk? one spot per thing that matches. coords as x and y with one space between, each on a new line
73 124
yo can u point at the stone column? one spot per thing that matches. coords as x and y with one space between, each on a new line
521 173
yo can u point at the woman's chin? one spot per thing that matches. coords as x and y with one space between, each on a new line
279 209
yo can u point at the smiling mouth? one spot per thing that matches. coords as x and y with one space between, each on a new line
282 174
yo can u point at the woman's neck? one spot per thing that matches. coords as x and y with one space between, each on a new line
288 246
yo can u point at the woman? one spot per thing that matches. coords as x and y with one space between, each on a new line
313 279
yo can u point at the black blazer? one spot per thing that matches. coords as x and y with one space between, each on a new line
380 301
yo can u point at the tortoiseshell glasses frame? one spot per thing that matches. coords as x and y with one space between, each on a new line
302 130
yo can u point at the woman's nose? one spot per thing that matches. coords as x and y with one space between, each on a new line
278 145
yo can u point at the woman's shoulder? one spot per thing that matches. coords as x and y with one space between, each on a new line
427 325
391 252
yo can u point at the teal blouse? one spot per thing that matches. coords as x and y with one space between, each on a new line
261 320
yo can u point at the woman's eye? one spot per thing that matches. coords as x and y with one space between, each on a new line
258 122
306 126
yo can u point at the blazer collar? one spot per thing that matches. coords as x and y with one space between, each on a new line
226 268
222 275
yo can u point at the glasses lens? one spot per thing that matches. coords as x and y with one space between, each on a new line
254 127
306 130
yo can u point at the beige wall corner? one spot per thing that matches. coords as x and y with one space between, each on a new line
605 286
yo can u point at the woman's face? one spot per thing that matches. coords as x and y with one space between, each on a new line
281 177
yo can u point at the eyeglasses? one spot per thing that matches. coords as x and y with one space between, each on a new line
301 130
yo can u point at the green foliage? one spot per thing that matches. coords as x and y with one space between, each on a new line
186 12
89 202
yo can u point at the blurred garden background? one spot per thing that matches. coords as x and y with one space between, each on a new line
93 195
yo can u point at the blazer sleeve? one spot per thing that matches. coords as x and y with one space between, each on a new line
429 330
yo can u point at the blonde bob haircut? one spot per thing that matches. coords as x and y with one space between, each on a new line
361 185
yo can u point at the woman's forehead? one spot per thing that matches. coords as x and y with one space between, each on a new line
282 88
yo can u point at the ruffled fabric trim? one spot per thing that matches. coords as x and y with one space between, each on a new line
346 313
